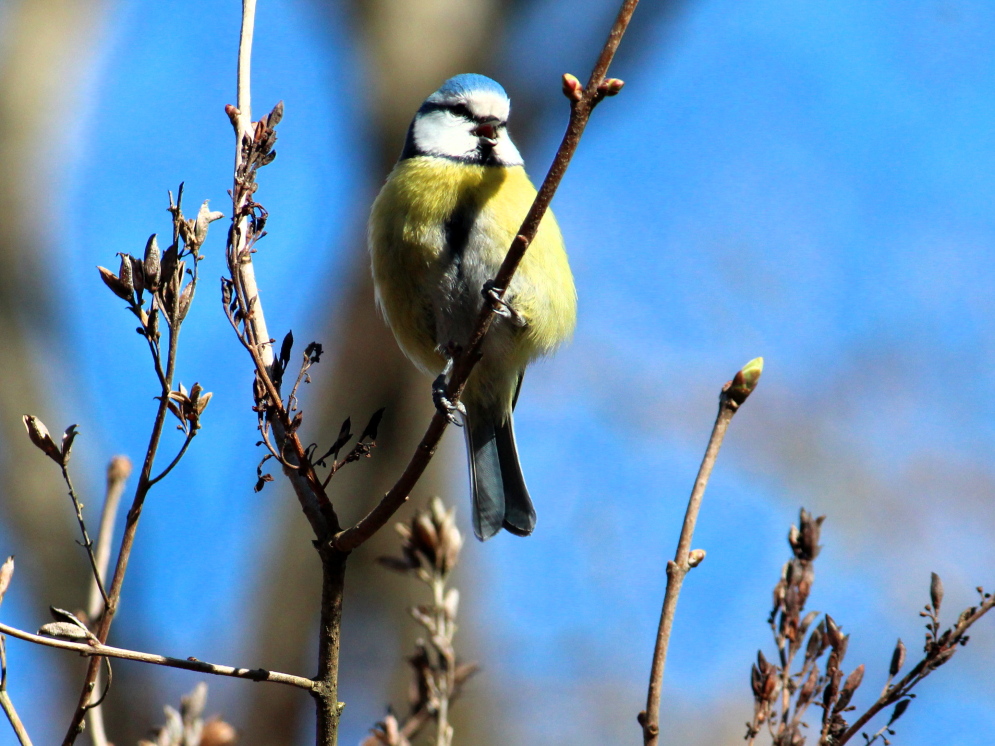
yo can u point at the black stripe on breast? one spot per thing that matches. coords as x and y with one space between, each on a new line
459 224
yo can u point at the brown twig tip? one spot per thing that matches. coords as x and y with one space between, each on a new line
572 87
119 469
742 384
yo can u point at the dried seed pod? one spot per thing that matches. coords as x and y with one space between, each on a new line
151 264
41 438
849 687
125 272
112 281
897 659
935 591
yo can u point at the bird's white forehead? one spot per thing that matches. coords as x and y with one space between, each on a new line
480 103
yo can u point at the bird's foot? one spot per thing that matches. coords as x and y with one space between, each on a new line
442 402
492 296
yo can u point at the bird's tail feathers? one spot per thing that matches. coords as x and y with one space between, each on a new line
500 497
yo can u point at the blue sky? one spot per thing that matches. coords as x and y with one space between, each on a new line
807 182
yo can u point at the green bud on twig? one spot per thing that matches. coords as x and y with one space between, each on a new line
743 383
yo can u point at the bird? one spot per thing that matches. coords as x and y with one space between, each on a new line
439 230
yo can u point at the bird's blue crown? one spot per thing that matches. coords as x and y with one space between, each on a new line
468 83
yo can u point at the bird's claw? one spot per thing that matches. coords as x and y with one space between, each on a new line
500 306
444 405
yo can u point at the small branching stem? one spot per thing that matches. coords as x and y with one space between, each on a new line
128 541
930 662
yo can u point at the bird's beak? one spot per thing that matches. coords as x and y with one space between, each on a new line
487 130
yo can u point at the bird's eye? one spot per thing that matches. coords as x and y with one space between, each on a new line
461 110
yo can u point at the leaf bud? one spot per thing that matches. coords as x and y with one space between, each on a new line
610 86
745 380
572 87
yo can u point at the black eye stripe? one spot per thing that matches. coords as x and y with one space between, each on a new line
460 110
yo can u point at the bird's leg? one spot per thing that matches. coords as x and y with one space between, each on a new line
442 403
492 296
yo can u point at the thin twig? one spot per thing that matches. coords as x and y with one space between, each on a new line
255 337
582 103
97 652
118 472
732 396
87 544
183 449
5 701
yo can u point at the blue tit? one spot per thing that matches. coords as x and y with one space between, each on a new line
438 232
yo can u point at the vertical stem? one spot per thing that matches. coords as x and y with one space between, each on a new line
118 472
447 662
677 569
326 687
256 319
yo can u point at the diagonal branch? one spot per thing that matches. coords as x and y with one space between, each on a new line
582 103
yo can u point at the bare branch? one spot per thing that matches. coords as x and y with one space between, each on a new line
734 393
173 298
98 651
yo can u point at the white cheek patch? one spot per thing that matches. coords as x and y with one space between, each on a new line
440 133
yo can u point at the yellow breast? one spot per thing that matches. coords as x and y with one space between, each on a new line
408 245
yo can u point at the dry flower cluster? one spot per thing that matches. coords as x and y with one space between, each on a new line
430 548
783 692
